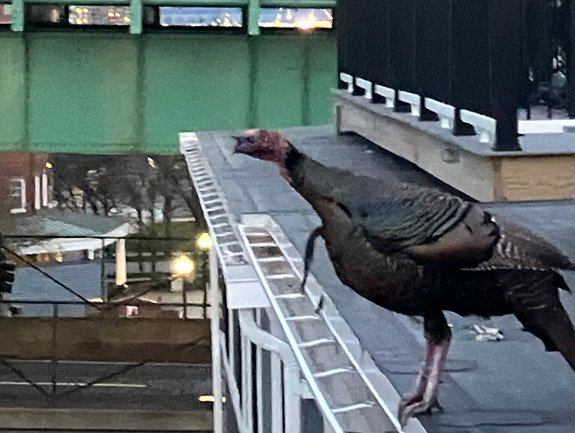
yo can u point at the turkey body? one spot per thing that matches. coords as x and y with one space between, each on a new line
500 269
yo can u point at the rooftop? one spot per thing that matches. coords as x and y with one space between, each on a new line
58 223
511 385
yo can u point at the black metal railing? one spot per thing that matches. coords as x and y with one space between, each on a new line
51 295
491 57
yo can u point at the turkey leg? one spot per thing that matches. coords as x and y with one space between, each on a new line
424 397
421 383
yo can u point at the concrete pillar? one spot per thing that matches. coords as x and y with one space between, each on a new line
121 267
37 193
44 190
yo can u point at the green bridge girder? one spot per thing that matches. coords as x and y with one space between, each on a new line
101 91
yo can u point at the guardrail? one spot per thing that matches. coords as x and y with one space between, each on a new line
140 283
471 64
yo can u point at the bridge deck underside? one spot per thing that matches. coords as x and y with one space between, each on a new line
107 92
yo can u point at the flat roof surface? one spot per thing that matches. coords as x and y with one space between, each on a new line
508 386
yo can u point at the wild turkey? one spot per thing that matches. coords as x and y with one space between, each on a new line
418 251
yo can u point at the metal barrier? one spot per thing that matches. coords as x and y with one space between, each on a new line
273 358
471 64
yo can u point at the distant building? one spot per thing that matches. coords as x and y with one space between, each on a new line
69 246
25 182
5 14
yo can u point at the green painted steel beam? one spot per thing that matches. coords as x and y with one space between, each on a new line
102 92
17 15
254 18
136 16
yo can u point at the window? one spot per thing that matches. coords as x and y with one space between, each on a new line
5 14
305 19
45 15
76 15
17 195
200 17
99 15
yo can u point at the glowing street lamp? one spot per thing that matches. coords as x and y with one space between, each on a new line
183 266
204 242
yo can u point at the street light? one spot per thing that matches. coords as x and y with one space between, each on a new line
204 242
183 267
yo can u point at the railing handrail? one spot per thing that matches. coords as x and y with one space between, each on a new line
132 302
303 365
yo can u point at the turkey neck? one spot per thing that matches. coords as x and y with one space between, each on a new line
314 181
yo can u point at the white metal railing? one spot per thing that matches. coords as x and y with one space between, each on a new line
269 356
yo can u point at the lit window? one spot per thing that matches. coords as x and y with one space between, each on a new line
301 18
17 195
99 15
200 17
45 14
5 14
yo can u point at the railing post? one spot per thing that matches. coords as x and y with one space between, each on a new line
259 371
218 412
505 20
571 60
276 394
432 68
54 373
184 301
247 382
103 288
342 41
292 398
468 83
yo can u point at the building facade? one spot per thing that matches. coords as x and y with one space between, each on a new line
25 182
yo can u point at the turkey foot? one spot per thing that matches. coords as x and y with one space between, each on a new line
308 258
424 398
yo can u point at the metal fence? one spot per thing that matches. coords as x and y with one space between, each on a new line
63 287
479 60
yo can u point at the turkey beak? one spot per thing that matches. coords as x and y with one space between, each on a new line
243 145
238 140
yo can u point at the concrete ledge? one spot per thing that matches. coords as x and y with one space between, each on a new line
544 170
86 420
